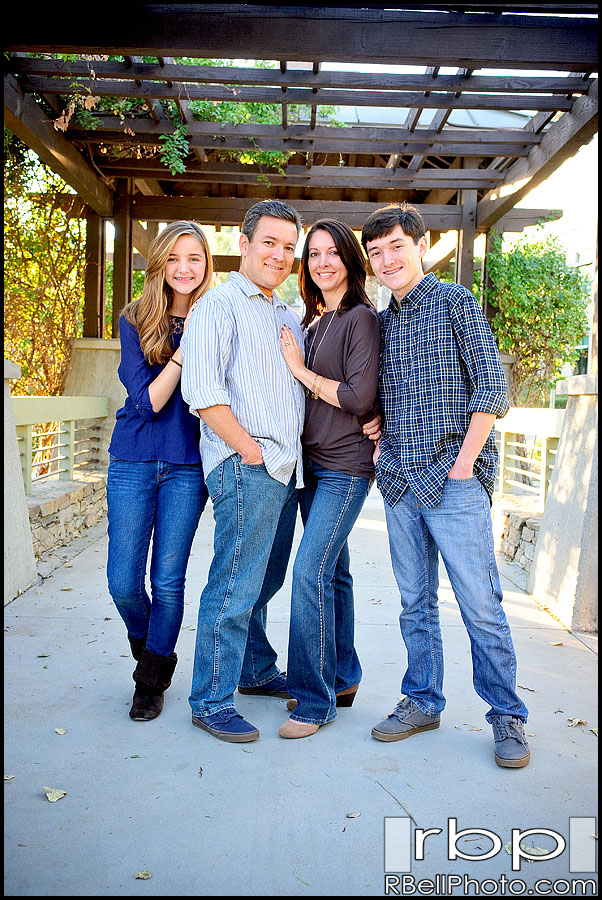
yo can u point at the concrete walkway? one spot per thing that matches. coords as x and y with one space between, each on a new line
288 818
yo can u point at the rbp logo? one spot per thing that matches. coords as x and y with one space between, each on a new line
398 844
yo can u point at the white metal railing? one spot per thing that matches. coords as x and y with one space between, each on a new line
51 443
527 441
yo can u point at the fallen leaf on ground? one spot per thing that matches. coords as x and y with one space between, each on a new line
472 727
533 851
594 731
525 688
575 721
68 565
42 655
555 643
8 777
353 815
61 730
247 750
201 772
144 875
66 588
54 794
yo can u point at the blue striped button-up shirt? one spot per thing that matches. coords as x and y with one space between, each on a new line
439 364
232 357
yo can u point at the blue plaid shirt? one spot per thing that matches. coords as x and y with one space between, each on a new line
439 364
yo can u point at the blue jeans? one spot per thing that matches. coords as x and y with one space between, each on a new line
254 526
164 500
321 654
459 527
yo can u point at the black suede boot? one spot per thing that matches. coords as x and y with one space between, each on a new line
153 676
137 646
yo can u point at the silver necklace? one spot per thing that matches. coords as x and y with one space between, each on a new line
321 339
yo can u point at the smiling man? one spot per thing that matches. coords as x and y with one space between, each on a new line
252 410
442 387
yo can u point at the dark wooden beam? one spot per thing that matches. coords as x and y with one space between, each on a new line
303 96
23 117
231 211
321 34
94 278
354 133
291 77
516 220
334 145
122 253
327 176
561 141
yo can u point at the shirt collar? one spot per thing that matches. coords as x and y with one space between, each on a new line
251 290
414 297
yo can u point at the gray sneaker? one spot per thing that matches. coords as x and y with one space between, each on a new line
405 720
511 747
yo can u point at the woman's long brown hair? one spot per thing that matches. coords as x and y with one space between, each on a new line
350 252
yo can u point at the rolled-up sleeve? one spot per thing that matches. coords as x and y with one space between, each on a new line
357 392
135 372
480 356
206 347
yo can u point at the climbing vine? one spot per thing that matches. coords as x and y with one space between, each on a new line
82 107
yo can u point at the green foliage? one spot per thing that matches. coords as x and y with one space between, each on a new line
43 271
542 315
175 148
83 107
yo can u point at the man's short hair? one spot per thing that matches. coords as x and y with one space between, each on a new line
276 208
381 222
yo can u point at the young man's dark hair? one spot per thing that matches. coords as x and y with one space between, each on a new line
382 221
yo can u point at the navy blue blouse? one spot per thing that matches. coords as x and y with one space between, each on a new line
140 434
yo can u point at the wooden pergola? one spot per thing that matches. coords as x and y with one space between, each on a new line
517 130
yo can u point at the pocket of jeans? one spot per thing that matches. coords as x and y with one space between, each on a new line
215 482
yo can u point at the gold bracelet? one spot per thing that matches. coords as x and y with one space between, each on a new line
316 393
313 384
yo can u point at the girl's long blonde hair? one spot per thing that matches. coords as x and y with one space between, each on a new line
150 313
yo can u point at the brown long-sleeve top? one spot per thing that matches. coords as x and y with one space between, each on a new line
349 352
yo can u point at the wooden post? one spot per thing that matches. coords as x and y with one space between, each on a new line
466 237
94 283
122 252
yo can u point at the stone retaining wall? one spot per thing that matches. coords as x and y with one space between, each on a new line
516 522
519 538
60 511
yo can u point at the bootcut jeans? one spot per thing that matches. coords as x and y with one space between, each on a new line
459 527
321 654
164 501
255 519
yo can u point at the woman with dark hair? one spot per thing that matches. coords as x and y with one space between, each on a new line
340 374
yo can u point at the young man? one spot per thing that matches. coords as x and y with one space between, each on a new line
252 410
442 387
